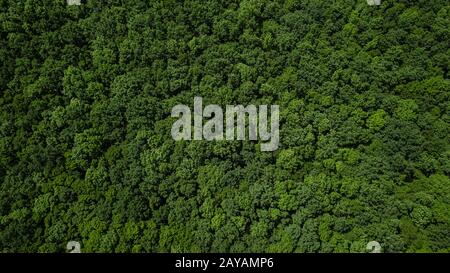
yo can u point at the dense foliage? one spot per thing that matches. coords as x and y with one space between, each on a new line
85 146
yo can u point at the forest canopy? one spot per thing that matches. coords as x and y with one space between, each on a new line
86 153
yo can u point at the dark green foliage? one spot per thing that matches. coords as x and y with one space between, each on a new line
85 146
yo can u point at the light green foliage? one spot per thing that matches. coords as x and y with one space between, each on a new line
377 120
